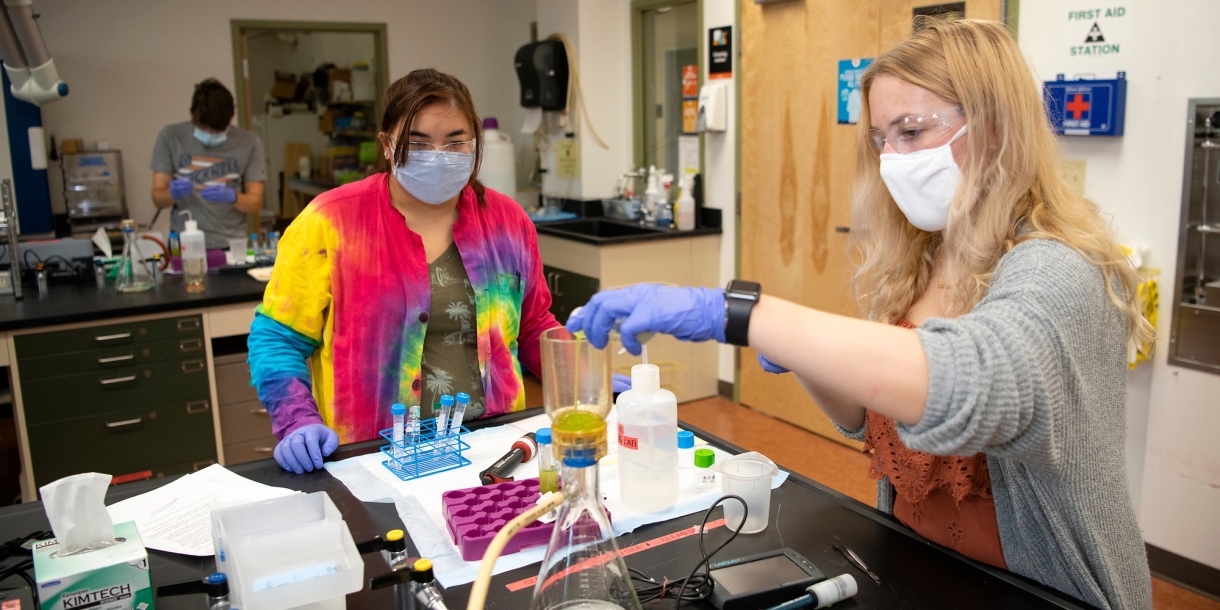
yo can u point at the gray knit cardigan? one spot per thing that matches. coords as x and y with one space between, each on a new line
1035 377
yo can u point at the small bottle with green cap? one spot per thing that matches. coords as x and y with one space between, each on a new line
705 477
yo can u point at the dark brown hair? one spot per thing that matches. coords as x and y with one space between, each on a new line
212 105
416 91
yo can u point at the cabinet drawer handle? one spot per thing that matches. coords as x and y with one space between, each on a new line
115 359
188 324
199 406
190 345
264 449
126 422
557 292
258 411
105 338
192 366
115 380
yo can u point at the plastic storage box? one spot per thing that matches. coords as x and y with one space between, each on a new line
289 552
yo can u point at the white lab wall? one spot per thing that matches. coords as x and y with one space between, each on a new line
132 64
600 30
1170 54
720 164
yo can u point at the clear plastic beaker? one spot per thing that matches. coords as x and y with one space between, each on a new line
576 388
747 475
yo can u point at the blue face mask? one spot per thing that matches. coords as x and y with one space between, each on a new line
208 138
435 177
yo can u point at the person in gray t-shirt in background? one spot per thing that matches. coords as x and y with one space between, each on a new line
209 168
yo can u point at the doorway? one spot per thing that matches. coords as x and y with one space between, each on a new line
666 53
312 92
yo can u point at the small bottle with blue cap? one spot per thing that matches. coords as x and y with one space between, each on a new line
548 465
399 411
686 449
217 586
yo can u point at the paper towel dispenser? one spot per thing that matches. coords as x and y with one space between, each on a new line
542 69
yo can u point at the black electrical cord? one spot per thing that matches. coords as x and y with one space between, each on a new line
25 258
701 584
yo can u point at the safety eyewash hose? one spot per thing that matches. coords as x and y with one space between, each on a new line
478 591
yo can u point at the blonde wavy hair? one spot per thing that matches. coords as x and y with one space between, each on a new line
1011 188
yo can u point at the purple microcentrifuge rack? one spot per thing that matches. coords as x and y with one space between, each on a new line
475 514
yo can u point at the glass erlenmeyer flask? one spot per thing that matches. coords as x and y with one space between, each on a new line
134 273
583 568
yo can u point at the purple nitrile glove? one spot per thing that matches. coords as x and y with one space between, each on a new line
685 312
620 383
771 367
180 187
302 449
218 193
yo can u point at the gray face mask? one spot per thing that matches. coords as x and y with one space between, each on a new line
435 177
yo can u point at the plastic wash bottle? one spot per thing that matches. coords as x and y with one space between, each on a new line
194 257
648 442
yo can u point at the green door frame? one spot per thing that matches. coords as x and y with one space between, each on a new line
378 30
638 8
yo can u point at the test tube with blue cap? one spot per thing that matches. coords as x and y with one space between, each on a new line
442 415
399 411
459 412
412 429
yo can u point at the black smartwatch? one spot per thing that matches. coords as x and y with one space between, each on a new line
740 297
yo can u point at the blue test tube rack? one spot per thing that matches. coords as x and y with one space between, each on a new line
432 454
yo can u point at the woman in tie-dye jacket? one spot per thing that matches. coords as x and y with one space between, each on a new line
343 329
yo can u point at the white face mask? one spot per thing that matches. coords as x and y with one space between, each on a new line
922 183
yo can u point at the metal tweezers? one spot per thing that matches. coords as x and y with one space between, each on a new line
855 559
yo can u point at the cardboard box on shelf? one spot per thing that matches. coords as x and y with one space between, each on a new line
285 87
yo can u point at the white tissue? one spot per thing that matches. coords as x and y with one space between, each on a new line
102 241
77 514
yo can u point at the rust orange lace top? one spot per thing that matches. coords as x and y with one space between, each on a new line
945 499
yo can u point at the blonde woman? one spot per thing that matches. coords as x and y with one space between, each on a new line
989 385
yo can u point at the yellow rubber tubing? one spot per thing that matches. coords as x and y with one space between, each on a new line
478 591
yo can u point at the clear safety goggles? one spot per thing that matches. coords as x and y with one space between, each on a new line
915 133
453 152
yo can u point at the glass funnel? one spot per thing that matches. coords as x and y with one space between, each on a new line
583 568
576 390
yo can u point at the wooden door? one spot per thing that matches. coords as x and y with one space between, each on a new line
797 163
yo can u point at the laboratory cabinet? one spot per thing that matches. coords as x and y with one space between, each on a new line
576 270
1194 339
569 290
245 424
131 399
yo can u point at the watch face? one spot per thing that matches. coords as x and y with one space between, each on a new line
741 289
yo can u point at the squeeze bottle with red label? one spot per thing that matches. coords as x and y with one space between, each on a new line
647 442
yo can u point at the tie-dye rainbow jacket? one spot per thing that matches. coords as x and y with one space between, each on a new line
347 309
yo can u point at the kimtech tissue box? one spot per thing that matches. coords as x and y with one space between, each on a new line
111 578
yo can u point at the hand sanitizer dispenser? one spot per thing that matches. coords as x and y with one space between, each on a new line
713 112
